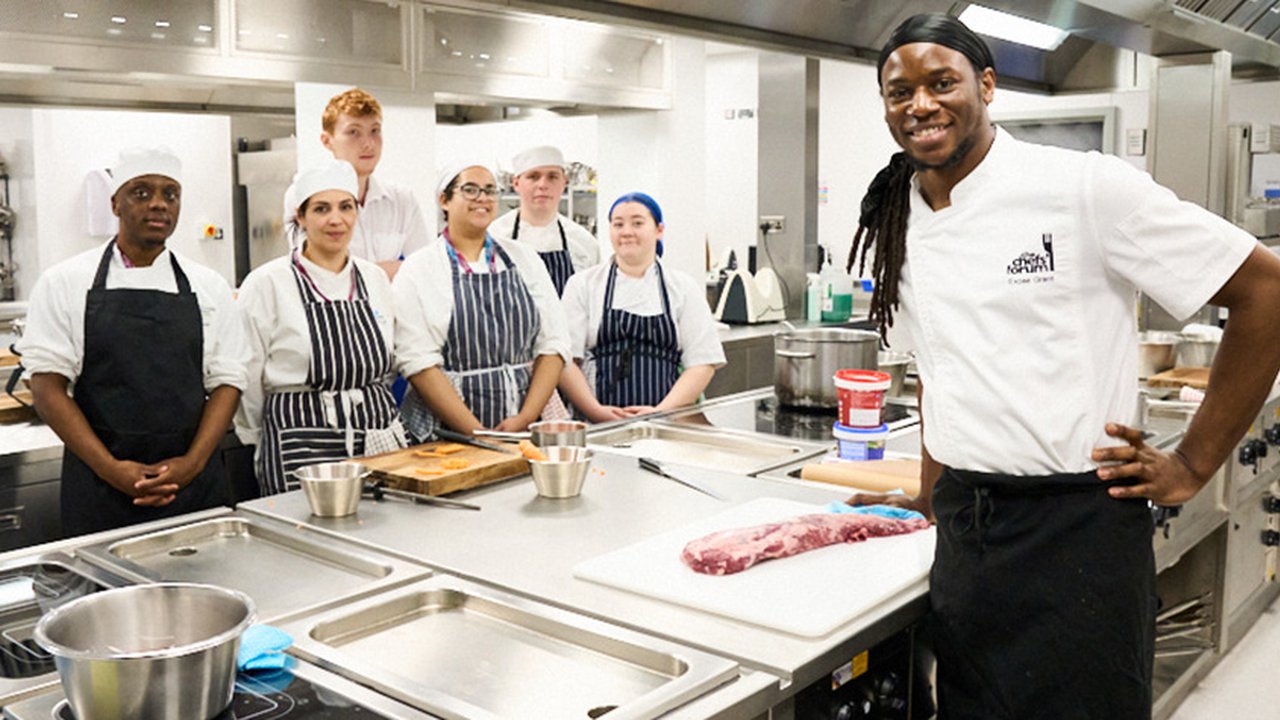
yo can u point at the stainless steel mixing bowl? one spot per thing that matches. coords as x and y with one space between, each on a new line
332 489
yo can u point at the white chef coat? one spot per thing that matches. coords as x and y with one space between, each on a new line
390 225
279 335
423 291
1020 298
53 341
584 249
695 326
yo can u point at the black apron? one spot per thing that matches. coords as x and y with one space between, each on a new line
559 263
1043 599
636 358
488 353
349 410
141 388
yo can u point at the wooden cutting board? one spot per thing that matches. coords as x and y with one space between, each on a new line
880 476
7 358
1196 377
12 411
400 469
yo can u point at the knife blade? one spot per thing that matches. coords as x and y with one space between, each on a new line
378 490
464 438
658 468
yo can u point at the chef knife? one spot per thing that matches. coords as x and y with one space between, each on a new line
656 467
378 491
463 438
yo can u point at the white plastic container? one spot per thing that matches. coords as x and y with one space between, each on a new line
860 443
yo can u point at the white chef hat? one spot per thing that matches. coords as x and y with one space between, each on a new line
334 174
453 170
536 157
136 162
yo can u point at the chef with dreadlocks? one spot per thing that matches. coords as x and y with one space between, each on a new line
1014 268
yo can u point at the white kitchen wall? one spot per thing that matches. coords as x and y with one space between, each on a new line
1257 102
16 140
408 137
70 143
732 134
663 153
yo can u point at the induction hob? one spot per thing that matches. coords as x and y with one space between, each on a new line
303 692
760 411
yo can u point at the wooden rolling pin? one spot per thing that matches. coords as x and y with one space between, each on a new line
880 476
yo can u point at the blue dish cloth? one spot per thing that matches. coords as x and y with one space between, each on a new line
887 511
262 648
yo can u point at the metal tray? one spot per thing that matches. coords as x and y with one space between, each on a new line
460 650
734 451
284 570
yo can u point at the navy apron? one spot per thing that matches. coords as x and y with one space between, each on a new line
559 263
1043 599
488 353
141 389
349 410
636 358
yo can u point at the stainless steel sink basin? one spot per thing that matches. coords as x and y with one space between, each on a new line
713 448
283 569
459 650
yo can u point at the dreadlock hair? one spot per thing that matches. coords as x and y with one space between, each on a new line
882 224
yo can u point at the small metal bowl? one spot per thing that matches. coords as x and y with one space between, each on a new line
1196 352
562 474
332 489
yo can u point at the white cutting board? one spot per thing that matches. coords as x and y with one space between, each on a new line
810 594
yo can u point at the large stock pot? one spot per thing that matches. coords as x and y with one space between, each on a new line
806 360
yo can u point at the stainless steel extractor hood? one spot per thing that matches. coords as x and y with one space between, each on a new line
1102 31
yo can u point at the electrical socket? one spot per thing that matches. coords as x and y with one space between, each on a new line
774 223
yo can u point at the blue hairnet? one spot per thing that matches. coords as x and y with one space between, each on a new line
638 197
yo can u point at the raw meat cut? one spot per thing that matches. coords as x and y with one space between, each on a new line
731 551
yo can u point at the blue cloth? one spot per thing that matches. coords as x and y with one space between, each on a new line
886 511
262 648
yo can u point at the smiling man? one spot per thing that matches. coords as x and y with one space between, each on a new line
1014 268
136 359
564 246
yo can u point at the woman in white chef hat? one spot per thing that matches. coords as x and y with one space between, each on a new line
322 327
481 334
644 332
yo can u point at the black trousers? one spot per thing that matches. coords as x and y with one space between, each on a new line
1043 599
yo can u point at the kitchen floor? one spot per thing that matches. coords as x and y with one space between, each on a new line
1238 687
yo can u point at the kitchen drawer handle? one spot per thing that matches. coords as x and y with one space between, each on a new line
11 521
794 355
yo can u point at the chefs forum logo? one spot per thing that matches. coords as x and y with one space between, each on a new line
1031 266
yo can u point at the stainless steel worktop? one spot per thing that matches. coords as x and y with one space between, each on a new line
529 545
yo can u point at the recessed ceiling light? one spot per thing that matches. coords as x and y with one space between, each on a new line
118 19
114 31
157 36
205 28
162 23
70 15
996 24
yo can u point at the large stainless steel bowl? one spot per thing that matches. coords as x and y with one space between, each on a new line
148 652
804 362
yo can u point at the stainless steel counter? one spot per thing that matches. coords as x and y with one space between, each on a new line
529 545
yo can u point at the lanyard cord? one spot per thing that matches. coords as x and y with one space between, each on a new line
466 266
315 288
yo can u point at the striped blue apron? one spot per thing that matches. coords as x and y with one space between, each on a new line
349 410
488 353
636 357
559 263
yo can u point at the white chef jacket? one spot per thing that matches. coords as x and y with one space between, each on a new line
695 326
584 249
275 317
423 291
1021 301
389 226
53 341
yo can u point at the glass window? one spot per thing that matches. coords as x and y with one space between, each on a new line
175 23
607 57
339 30
459 42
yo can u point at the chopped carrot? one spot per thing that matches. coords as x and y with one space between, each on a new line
455 464
531 451
427 453
429 471
450 449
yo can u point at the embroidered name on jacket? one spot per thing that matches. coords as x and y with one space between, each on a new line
1033 267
